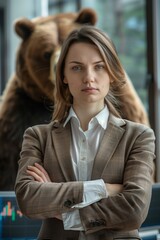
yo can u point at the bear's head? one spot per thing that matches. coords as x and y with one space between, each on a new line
41 39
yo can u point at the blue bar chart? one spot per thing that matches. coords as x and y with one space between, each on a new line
13 224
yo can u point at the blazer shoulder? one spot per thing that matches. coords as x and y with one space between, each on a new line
41 128
139 127
130 126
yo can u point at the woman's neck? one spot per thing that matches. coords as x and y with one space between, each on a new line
86 113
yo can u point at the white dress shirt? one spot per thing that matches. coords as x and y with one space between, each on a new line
83 150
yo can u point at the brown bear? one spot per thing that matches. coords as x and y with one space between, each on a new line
28 97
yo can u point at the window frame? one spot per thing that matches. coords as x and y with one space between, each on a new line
153 59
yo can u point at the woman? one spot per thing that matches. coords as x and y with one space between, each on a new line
87 174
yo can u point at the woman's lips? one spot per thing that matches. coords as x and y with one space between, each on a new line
89 89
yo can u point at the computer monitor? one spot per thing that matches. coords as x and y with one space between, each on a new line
13 224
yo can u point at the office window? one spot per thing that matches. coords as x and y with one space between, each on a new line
59 6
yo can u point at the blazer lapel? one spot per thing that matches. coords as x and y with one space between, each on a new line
111 138
62 140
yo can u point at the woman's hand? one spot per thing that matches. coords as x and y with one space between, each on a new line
114 189
38 173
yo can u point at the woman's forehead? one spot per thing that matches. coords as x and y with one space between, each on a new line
81 49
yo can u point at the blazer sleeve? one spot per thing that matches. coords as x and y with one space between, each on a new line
127 210
42 200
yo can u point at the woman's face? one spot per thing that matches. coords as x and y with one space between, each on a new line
86 74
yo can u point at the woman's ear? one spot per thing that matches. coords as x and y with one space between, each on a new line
65 80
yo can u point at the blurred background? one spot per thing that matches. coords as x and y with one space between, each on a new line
133 26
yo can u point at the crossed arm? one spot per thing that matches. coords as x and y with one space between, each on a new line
40 175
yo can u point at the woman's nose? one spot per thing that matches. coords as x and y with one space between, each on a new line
88 76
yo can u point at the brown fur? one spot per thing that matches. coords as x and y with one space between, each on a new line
28 97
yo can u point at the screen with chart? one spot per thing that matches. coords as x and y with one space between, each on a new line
13 224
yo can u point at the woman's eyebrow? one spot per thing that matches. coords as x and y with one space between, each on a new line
77 62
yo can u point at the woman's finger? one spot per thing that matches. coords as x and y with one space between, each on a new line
38 174
35 176
44 171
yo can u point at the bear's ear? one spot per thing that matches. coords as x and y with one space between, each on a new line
87 16
24 28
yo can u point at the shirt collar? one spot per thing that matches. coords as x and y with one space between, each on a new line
101 117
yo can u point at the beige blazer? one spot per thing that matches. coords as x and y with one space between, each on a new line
125 156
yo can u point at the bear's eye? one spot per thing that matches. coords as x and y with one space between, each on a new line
47 55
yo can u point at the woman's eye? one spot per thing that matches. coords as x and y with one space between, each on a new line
99 67
77 68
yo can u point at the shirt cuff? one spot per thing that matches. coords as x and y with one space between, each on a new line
93 191
72 221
